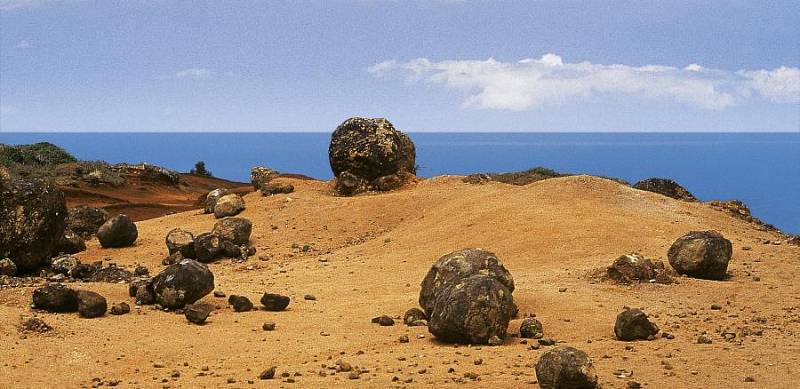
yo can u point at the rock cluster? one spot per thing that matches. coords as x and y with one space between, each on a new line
370 154
701 254
59 298
665 187
635 268
230 238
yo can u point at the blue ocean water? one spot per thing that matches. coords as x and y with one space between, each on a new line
763 170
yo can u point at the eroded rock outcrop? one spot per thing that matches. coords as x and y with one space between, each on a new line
665 187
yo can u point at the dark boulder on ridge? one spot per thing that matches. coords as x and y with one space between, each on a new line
182 283
565 367
665 187
370 154
701 254
119 231
32 221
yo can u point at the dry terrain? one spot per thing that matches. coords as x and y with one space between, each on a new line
367 255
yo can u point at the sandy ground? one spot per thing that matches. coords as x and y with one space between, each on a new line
368 256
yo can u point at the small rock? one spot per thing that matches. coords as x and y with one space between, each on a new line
310 297
716 307
403 339
531 328
7 267
219 294
55 298
120 309
565 367
414 316
383 320
91 304
268 326
495 341
268 374
633 324
240 303
228 205
274 302
119 231
704 339
197 313
35 324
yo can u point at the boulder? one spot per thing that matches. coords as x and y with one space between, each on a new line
634 268
7 267
70 243
180 240
260 175
119 231
228 205
182 284
240 303
274 302
233 229
55 298
32 220
633 324
456 266
565 367
85 220
471 310
276 187
531 328
91 304
369 149
701 254
198 313
230 250
415 317
212 197
665 187
65 264
207 247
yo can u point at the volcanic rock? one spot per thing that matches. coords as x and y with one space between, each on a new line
85 220
565 367
274 302
531 328
91 304
182 284
275 187
260 175
233 229
7 267
240 303
70 243
180 240
211 199
198 313
632 324
383 320
120 309
633 268
55 298
414 317
228 205
701 254
207 247
119 231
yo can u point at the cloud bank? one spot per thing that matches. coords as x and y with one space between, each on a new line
532 83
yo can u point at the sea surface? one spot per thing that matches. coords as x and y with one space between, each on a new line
763 170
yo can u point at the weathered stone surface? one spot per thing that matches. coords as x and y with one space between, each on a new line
180 240
228 205
633 324
531 328
368 149
701 254
565 367
32 219
260 175
85 220
55 298
414 317
120 309
633 268
182 284
274 302
471 310
212 197
665 187
111 273
65 264
276 187
198 313
240 303
119 231
457 266
70 243
7 267
91 304
236 230
207 247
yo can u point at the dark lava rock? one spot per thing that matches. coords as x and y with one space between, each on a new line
35 324
456 266
665 187
274 302
471 310
145 295
701 254
212 197
236 230
260 175
565 367
633 268
70 243
85 220
198 313
180 241
531 328
141 271
120 309
240 303
632 324
268 326
135 284
173 258
182 284
111 273
231 250
119 231
91 304
207 247
7 267
267 374
65 264
85 271
414 316
383 320
368 149
228 205
273 188
32 220
55 298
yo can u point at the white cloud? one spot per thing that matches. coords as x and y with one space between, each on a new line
194 73
531 83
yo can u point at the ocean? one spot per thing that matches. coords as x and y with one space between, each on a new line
763 170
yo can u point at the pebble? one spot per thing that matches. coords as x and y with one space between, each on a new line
268 374
403 339
310 297
268 326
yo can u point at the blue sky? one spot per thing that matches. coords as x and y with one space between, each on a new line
426 65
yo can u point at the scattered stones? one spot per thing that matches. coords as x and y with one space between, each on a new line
565 367
236 230
85 220
197 313
531 328
274 302
120 309
55 298
240 303
276 187
364 151
182 284
701 254
70 243
35 324
228 205
180 241
634 268
415 317
111 273
7 267
207 247
91 304
665 187
260 175
383 320
268 326
119 231
633 324
268 374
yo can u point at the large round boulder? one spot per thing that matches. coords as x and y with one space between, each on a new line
212 197
32 220
456 266
180 240
370 149
701 254
633 324
85 220
234 229
228 205
471 310
665 187
182 283
565 367
119 231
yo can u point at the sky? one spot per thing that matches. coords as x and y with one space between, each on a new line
426 65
